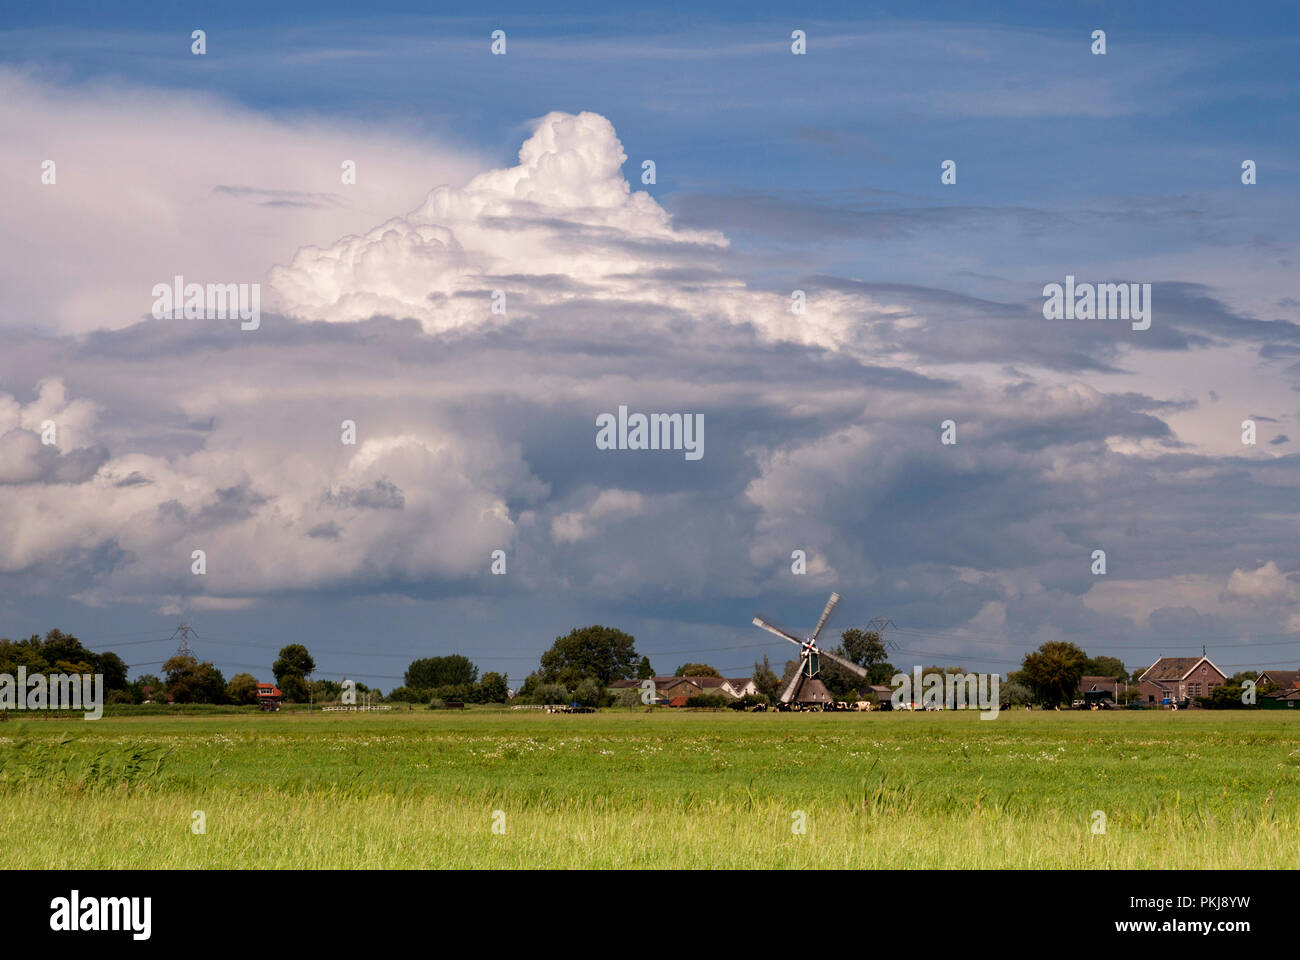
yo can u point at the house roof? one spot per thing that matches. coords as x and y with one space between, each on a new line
1286 679
1177 668
1098 683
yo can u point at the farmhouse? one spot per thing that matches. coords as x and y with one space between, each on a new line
674 687
1171 679
269 696
1097 689
1280 680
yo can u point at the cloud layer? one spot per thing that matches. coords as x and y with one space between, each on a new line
475 432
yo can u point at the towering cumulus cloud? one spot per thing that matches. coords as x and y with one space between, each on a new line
563 222
563 227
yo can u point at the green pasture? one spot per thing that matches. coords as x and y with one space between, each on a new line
498 788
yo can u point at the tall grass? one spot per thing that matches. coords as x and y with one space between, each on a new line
664 790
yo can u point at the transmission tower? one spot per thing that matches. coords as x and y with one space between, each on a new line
880 625
183 648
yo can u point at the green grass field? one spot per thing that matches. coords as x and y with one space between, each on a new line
662 789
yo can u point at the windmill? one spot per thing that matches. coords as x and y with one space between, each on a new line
805 689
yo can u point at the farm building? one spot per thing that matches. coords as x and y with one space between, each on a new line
884 694
673 687
1286 699
1282 688
1172 679
269 696
1280 680
1097 689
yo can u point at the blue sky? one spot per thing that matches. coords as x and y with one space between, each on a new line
822 172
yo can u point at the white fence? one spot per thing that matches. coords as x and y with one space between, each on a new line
386 706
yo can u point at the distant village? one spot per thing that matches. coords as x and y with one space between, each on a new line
598 667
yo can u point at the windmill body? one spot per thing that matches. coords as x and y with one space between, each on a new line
805 689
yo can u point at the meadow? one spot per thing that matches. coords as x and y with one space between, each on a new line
498 788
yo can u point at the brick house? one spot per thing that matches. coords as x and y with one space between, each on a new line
1179 678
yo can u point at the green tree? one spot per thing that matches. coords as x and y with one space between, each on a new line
296 688
696 670
643 669
291 669
1105 667
842 682
1225 697
867 649
492 688
432 672
60 652
323 691
146 681
242 688
1053 671
1015 693
602 653
590 693
765 678
189 681
630 697
113 669
551 693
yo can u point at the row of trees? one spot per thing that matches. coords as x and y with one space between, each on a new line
59 652
452 677
186 679
580 666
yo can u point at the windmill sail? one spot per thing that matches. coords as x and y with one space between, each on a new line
830 605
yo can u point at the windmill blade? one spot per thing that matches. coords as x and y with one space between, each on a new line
788 694
847 664
830 605
760 622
